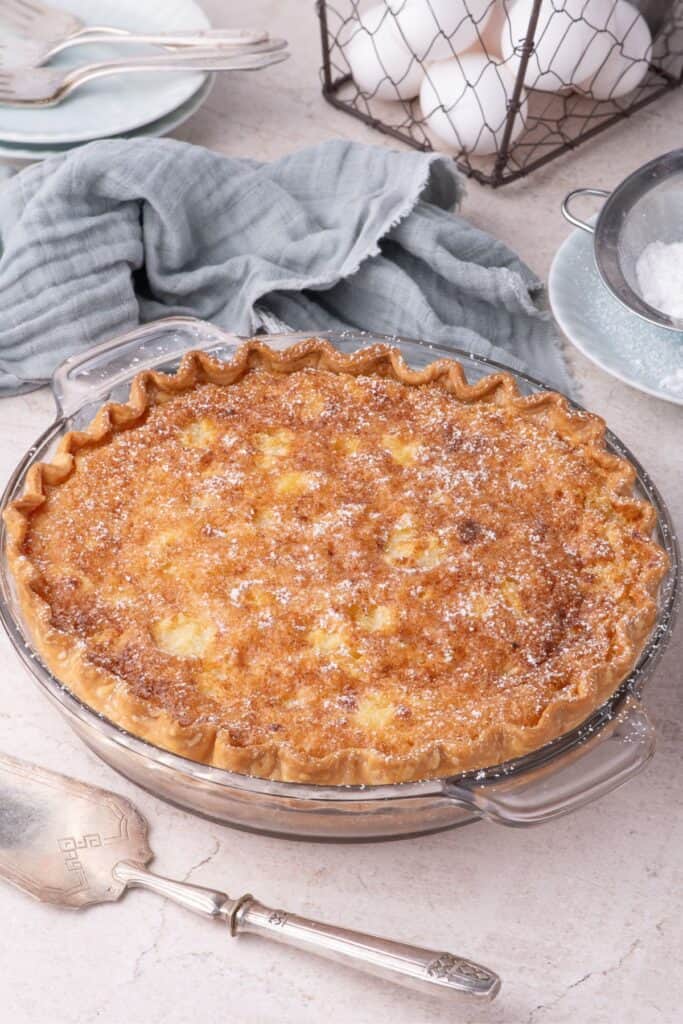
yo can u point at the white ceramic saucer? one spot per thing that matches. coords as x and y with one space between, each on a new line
111 106
23 153
646 357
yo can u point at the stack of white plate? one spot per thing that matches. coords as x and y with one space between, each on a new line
126 105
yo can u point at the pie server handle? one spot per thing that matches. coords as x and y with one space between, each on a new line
428 971
564 781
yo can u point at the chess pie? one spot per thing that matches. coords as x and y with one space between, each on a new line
309 566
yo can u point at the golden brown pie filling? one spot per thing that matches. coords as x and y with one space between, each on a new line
316 567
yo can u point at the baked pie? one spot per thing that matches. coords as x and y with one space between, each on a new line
329 568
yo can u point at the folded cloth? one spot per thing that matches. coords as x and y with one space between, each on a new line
338 235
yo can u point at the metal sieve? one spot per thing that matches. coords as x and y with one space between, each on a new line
646 207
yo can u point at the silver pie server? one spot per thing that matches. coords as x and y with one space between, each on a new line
72 844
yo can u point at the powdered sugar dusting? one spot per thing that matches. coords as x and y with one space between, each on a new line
342 561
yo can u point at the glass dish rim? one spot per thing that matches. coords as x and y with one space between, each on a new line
72 705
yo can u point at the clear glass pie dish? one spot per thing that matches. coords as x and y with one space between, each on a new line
605 751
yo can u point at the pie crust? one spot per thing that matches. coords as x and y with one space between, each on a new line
317 567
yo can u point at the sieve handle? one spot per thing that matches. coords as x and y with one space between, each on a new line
571 196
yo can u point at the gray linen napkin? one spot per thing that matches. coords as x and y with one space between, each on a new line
126 231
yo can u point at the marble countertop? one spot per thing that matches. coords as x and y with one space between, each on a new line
581 917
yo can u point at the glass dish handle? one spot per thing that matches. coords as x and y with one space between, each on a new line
93 373
618 751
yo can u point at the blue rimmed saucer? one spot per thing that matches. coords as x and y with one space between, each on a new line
644 356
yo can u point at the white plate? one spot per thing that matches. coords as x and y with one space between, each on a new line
111 106
166 124
640 354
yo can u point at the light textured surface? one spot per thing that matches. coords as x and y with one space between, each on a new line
582 917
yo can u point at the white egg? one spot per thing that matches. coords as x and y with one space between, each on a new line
568 46
493 29
626 64
464 103
435 29
381 63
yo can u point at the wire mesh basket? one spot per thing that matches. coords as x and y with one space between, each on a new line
503 85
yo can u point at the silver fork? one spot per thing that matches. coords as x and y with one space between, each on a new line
22 52
49 30
45 87
35 19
